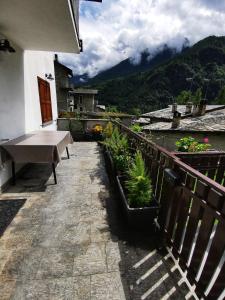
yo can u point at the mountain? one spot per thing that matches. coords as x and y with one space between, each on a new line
154 88
128 66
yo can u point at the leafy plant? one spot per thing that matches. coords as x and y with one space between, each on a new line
139 183
122 161
117 143
221 97
184 97
108 130
136 128
119 147
197 96
190 144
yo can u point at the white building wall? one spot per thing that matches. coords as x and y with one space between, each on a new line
19 97
37 64
12 110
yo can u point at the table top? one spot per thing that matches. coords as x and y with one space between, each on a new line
38 138
38 146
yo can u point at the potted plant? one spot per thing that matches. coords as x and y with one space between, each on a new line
97 131
190 144
117 154
139 204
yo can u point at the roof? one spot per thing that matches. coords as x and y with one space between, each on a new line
212 121
84 91
57 63
166 113
142 121
101 106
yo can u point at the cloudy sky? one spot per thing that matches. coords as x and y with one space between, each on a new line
117 29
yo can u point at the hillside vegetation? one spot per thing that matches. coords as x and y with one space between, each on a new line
155 88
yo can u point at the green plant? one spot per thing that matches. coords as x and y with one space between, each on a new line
190 144
117 143
119 148
136 128
108 131
138 185
184 97
197 96
221 97
122 161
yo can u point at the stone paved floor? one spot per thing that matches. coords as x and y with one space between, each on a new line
69 241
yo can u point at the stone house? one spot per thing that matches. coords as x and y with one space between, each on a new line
63 85
82 100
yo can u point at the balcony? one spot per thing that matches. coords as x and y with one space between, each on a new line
53 25
71 240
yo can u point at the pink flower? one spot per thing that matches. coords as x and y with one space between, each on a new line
206 140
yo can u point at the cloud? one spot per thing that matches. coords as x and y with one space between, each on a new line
117 29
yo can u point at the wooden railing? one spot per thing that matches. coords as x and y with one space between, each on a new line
192 214
211 164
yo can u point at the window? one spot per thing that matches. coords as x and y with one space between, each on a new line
81 108
45 100
75 106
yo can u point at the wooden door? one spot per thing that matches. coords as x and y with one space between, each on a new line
45 100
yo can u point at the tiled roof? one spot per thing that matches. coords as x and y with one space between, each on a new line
212 121
166 113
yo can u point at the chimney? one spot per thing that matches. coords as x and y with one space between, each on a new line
188 108
56 57
176 120
174 107
195 110
202 108
199 109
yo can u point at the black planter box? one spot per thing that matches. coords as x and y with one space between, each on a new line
138 218
110 166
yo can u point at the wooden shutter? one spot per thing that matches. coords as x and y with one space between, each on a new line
45 100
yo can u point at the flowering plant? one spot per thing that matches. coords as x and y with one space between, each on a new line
190 144
97 129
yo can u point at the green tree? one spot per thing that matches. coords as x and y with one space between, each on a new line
221 96
184 97
112 108
136 111
197 96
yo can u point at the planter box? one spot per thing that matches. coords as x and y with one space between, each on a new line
110 167
138 218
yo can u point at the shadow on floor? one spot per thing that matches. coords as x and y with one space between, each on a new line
8 210
146 272
33 178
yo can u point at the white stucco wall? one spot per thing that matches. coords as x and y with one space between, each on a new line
19 96
12 102
37 63
12 110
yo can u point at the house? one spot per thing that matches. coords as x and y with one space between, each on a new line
100 108
63 85
82 100
210 125
30 32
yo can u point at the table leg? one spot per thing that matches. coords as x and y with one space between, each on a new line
67 151
54 173
13 173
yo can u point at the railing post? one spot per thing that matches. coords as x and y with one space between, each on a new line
170 185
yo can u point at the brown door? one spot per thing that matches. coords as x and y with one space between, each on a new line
45 100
